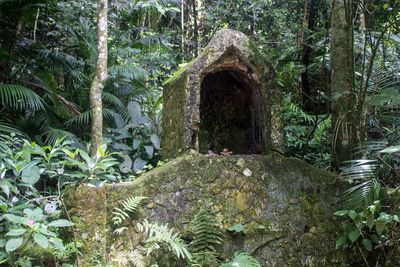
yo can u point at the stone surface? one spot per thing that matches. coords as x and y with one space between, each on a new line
227 97
284 204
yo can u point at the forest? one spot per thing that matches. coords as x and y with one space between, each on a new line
81 102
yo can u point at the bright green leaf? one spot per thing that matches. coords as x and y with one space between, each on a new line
61 223
367 244
41 240
341 241
380 226
13 244
354 235
16 232
30 175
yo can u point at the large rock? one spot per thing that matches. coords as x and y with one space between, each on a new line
284 204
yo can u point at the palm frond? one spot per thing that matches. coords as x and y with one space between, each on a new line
113 100
8 129
20 98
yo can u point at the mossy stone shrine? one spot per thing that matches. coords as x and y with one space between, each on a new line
226 98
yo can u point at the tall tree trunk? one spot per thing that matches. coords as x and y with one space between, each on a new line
96 89
342 81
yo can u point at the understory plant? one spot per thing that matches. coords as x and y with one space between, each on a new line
137 141
32 179
372 203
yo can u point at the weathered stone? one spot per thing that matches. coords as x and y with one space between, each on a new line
285 205
226 98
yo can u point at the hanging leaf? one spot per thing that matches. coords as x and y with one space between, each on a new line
149 150
155 141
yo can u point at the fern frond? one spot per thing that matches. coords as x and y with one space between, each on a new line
120 230
158 235
242 259
137 258
20 98
206 231
130 204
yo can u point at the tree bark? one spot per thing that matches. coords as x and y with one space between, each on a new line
96 89
342 82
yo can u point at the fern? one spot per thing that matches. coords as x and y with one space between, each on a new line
206 231
158 235
298 111
131 205
123 257
242 259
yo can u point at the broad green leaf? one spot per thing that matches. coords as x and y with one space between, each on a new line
6 189
57 243
341 241
374 238
47 232
36 215
237 228
139 164
370 221
341 212
13 244
155 141
126 165
16 232
149 151
352 214
136 143
41 240
31 175
134 110
380 226
367 244
14 218
354 235
384 217
61 223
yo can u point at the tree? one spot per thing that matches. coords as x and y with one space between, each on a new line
96 89
342 81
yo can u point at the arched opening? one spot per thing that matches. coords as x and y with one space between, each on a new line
230 113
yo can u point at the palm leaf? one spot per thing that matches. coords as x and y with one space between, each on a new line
20 98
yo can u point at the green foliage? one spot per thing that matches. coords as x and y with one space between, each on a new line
207 233
129 205
371 214
307 136
138 141
241 259
20 98
159 236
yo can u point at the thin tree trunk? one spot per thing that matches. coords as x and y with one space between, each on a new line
342 82
183 31
196 29
96 89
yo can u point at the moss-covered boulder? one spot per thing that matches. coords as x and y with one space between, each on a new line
227 97
284 204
